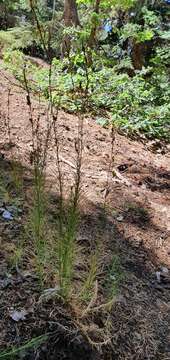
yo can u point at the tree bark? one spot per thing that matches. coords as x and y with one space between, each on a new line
70 13
92 38
71 18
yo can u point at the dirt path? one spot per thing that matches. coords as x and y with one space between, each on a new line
138 203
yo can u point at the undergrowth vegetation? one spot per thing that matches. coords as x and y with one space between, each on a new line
132 103
131 90
113 66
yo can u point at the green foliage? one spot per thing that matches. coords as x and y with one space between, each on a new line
103 122
13 353
150 17
67 250
136 105
88 286
135 31
16 38
38 223
137 101
114 277
14 60
125 4
165 35
6 40
161 58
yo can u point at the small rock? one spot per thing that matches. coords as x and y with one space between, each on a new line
164 270
18 315
120 218
123 167
7 215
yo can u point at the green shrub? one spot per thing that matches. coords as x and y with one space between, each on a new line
137 104
15 38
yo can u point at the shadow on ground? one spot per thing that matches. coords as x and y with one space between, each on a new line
138 322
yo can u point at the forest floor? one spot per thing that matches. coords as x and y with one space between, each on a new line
134 227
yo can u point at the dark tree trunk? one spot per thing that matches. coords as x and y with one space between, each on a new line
138 56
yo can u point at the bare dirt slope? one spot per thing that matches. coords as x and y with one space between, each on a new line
137 226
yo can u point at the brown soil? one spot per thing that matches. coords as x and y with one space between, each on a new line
134 226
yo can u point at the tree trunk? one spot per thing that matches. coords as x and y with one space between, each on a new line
141 53
70 19
70 13
138 56
92 38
